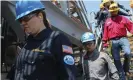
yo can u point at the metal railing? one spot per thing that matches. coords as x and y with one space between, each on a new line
131 18
98 33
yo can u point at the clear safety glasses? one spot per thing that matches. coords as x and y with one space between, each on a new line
26 18
89 43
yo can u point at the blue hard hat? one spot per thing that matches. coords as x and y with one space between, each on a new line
25 7
87 36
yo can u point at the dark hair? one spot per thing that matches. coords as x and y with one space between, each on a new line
45 21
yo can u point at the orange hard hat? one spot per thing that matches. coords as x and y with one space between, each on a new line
131 3
101 6
114 7
105 1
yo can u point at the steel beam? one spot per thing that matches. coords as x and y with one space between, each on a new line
57 19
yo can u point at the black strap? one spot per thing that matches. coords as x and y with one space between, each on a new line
85 66
86 71
53 36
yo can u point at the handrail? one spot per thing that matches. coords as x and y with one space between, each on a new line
93 13
131 17
97 32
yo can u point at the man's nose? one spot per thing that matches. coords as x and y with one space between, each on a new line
88 46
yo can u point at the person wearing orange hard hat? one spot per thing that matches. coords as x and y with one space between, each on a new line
100 16
115 31
107 3
101 6
114 9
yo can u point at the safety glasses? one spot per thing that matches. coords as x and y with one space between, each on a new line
89 43
27 17
112 8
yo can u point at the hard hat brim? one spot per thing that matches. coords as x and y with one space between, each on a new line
87 40
28 12
114 10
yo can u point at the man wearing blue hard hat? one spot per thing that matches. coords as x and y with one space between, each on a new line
47 54
96 65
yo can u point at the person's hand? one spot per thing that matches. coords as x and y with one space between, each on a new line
105 45
105 49
115 76
130 14
127 10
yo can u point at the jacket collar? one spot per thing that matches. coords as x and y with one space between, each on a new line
41 36
94 55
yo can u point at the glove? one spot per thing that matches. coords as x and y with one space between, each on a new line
115 76
130 14
105 46
127 10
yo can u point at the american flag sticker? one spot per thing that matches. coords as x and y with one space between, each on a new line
67 49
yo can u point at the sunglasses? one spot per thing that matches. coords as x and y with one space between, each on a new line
26 18
88 43
113 8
